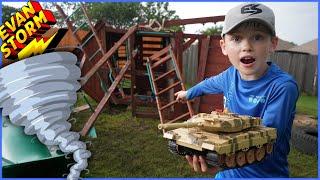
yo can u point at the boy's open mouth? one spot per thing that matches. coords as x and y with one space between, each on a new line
247 60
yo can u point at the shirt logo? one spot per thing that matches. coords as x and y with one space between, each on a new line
257 99
251 8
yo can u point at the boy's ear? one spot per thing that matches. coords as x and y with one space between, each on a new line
223 47
274 43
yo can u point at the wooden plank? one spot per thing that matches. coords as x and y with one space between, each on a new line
191 113
165 74
122 51
81 108
133 72
202 20
168 105
104 100
155 91
161 61
122 48
122 55
168 88
152 45
179 117
122 62
106 57
188 43
149 52
152 39
202 66
160 53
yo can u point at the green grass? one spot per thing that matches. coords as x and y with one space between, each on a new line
301 165
308 105
134 147
130 147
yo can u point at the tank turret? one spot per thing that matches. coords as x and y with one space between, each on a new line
216 122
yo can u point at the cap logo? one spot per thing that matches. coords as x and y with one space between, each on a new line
251 8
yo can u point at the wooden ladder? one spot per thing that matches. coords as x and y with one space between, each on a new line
74 28
158 59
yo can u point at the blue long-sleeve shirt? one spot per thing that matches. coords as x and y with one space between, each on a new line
272 97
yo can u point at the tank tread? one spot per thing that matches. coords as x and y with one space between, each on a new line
211 158
236 160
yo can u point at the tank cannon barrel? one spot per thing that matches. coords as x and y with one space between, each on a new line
178 125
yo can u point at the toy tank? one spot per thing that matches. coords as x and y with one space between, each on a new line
226 140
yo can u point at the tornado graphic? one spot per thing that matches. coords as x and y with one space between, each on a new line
38 93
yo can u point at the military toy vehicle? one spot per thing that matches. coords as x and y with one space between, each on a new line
226 140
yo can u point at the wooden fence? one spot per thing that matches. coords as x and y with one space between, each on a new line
190 65
303 67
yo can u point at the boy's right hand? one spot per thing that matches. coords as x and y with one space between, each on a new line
181 96
199 164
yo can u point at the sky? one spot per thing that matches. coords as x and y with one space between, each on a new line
295 21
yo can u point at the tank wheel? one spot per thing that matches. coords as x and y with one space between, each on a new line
241 158
269 147
259 153
230 160
250 156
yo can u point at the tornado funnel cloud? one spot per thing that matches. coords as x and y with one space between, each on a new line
38 93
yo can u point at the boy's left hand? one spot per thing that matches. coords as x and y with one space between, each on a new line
181 96
199 164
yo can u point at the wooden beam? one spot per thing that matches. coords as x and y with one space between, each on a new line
105 99
106 57
133 73
202 20
188 43
202 66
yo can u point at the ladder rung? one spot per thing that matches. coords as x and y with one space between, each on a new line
149 52
94 54
162 60
87 40
168 105
77 29
168 88
161 52
179 117
164 75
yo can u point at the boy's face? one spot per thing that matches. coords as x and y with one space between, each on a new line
247 49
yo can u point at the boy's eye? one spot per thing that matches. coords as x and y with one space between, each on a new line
258 37
235 38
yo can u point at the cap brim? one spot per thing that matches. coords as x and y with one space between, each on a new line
246 20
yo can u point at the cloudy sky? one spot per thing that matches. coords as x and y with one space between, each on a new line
295 21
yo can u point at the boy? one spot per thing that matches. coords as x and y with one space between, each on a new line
252 86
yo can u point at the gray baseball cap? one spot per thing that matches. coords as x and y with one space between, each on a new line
249 12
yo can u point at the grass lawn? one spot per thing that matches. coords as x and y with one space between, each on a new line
308 105
134 147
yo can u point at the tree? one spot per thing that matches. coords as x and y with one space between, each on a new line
7 12
117 14
160 12
67 7
214 30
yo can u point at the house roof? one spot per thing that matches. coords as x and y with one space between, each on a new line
310 47
284 45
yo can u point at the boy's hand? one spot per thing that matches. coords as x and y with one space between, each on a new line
181 96
198 163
